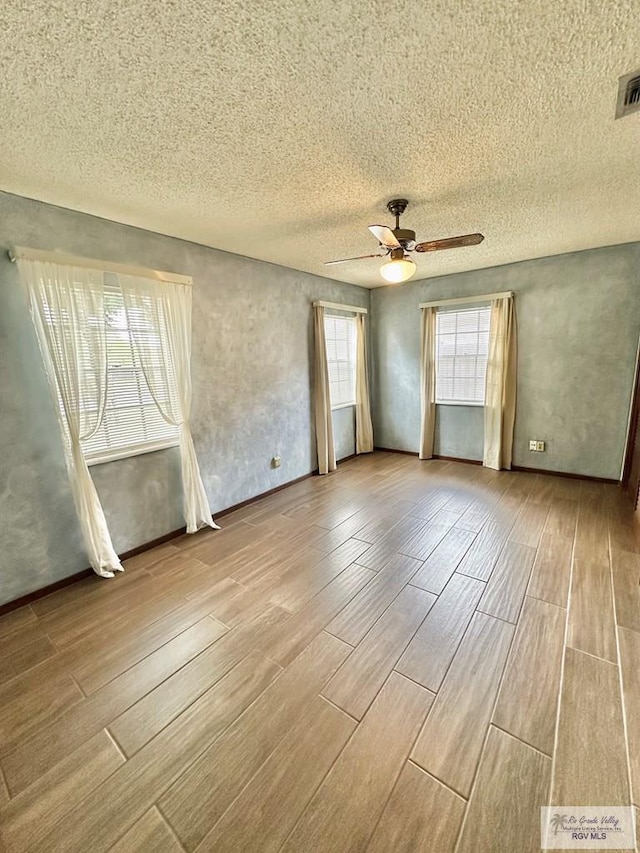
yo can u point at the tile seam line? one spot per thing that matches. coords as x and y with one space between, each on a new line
382 614
170 828
625 729
254 775
173 779
168 785
190 704
521 740
280 740
439 781
476 773
407 757
145 657
333 763
450 664
393 668
565 646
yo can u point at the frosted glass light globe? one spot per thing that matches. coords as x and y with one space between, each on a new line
398 270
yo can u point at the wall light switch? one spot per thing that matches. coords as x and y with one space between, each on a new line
275 462
540 446
533 444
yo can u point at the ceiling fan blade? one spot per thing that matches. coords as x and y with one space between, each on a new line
385 236
450 243
345 260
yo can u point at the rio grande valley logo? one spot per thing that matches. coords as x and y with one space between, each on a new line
587 828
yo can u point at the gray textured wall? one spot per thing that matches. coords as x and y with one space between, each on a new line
251 367
578 324
344 432
459 431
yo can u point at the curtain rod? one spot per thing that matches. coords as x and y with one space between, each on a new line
462 299
337 307
19 252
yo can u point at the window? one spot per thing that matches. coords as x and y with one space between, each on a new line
132 422
340 337
462 342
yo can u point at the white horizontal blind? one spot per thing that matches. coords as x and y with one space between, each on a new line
132 422
462 342
340 337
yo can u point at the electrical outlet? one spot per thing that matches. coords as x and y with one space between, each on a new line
540 446
275 462
533 444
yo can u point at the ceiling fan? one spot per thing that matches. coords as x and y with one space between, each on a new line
397 244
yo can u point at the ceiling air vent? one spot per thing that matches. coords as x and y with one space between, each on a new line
628 94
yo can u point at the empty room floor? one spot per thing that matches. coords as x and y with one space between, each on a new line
400 656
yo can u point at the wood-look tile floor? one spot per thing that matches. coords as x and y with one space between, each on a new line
401 656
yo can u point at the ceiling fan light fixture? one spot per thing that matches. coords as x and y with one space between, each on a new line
397 242
397 270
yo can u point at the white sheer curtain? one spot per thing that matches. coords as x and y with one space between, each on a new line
67 308
500 390
159 319
322 397
427 382
364 428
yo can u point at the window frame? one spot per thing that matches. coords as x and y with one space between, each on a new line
352 322
457 402
134 447
99 457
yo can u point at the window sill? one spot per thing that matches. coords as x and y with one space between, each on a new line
342 406
459 403
126 452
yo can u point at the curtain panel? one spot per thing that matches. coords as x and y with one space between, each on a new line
322 397
67 309
500 391
364 428
159 317
427 382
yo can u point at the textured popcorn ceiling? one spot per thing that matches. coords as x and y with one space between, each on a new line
279 129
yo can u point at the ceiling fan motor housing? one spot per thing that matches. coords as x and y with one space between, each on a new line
404 235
